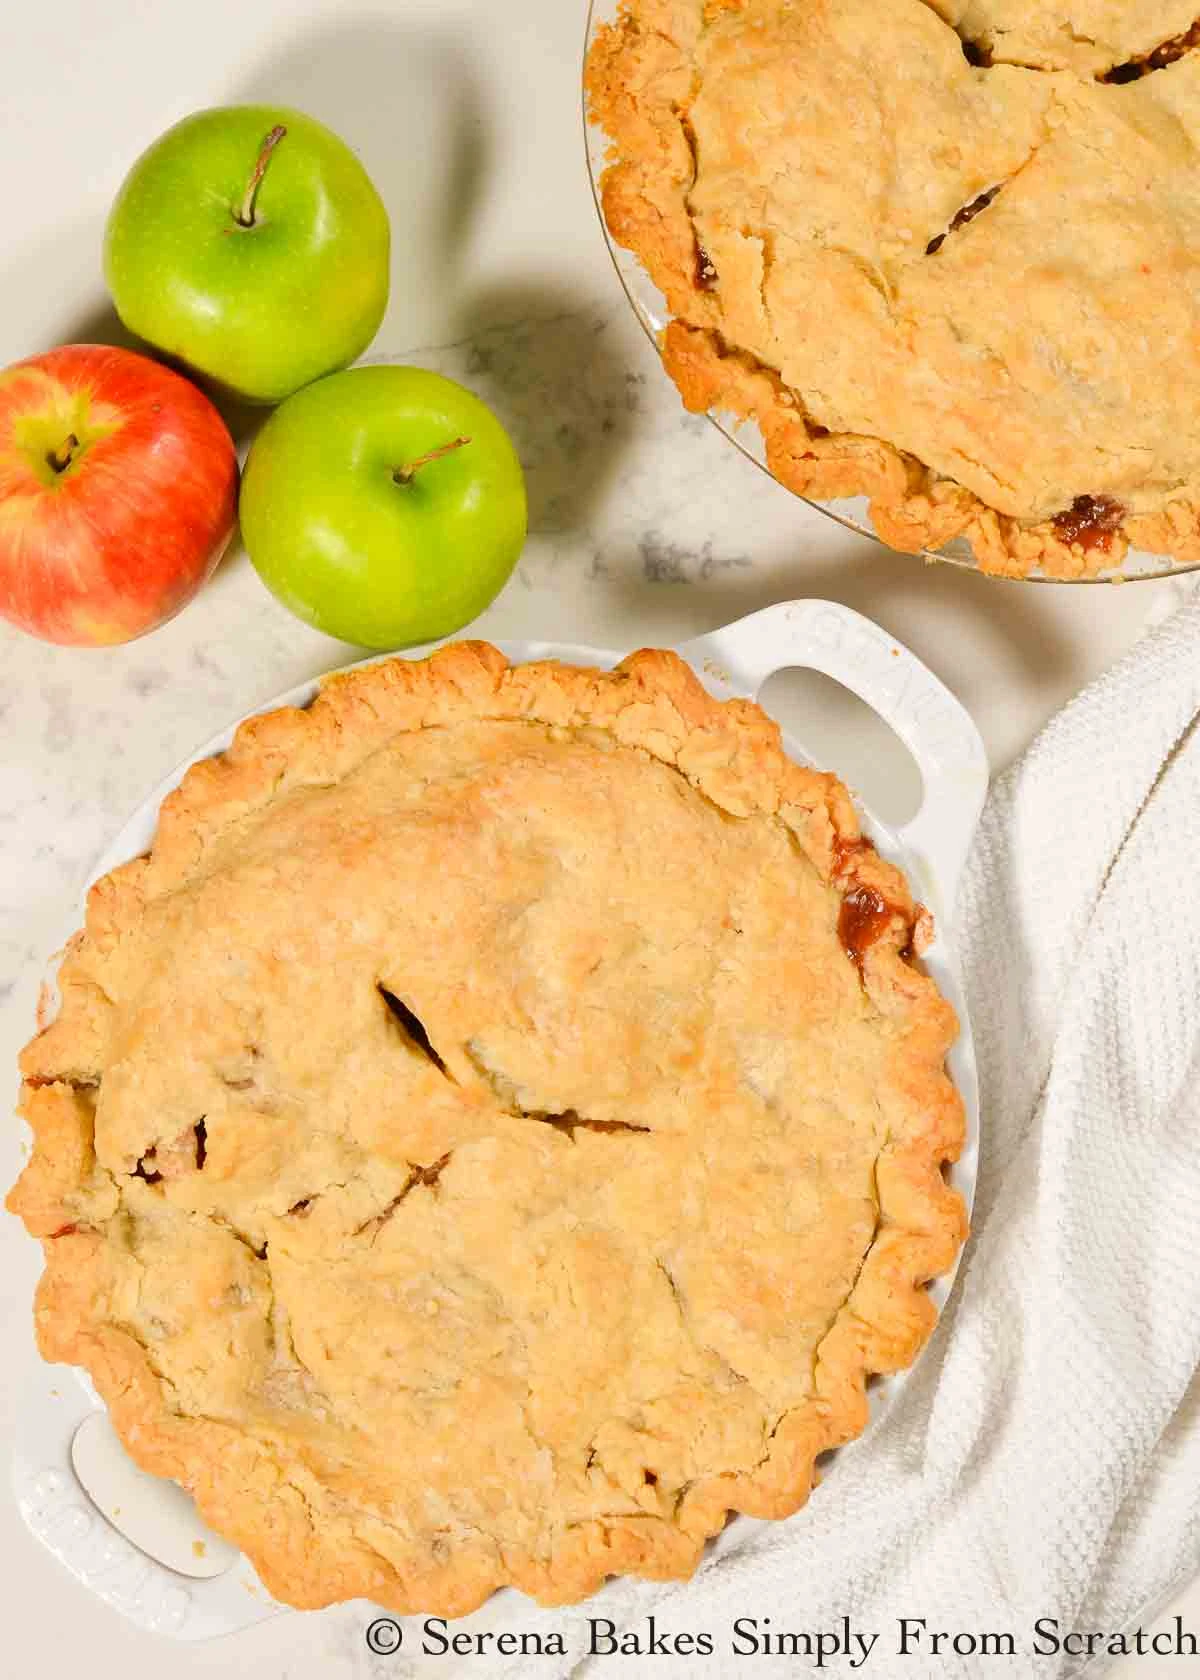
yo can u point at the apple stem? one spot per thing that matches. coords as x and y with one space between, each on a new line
245 216
406 474
60 459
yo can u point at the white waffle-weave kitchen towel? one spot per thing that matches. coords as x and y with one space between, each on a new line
1044 1461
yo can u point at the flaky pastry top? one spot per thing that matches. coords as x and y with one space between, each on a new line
494 1131
943 253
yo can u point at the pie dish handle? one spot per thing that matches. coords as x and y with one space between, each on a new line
937 730
60 1512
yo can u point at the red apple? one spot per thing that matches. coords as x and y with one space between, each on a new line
118 492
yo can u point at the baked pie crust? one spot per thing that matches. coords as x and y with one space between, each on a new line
945 254
494 1132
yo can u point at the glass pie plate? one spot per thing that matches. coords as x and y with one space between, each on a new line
851 511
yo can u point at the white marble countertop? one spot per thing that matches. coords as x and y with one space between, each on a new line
646 526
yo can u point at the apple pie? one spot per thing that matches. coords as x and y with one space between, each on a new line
945 253
494 1132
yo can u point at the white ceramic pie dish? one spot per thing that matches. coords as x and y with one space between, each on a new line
189 1583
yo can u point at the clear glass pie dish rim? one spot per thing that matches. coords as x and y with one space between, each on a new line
852 513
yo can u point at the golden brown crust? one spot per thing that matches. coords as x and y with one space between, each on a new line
919 275
607 1257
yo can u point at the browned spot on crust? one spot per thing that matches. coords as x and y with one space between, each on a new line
1090 522
145 1169
570 1122
413 1027
967 214
1167 53
706 272
416 1175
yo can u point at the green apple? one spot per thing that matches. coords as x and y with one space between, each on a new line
249 243
385 505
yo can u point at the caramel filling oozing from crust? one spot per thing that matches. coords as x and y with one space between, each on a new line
1090 521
